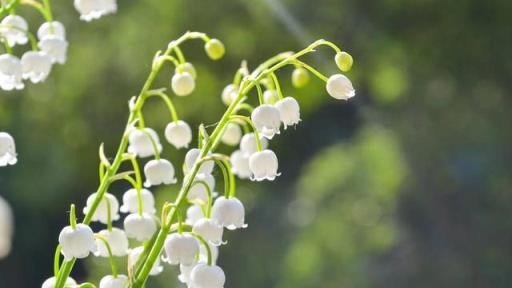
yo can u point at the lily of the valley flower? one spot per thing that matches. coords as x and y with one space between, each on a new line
6 228
214 49
229 94
117 240
36 66
51 29
248 144
340 87
186 67
198 191
289 111
240 164
139 227
77 242
194 214
7 150
178 133
134 255
159 171
182 84
264 165
14 29
54 47
131 202
140 143
229 213
94 9
206 276
11 73
267 120
270 96
50 282
180 249
109 281
190 160
232 134
210 230
102 210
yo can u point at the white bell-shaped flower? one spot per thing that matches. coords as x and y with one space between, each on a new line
109 281
159 171
50 282
264 165
94 9
206 276
194 213
141 144
36 66
198 191
6 228
7 150
101 213
51 29
11 73
210 229
229 94
131 201
289 111
270 96
135 254
186 67
267 120
232 134
185 270
248 144
180 249
240 164
340 87
77 242
178 133
203 253
55 47
229 213
190 160
14 29
182 84
139 227
117 240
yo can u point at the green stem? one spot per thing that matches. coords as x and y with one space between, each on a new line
206 246
153 143
254 129
56 260
167 100
312 70
110 255
109 213
72 217
210 196
278 86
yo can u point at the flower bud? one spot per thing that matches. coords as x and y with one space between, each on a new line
11 73
300 77
264 165
139 227
205 276
77 242
109 281
194 214
198 191
190 160
101 213
289 111
55 47
182 84
36 66
240 164
14 29
248 144
180 249
270 96
50 282
135 254
131 202
210 230
117 240
178 133
140 143
7 150
267 120
232 134
159 172
229 213
229 94
51 29
340 87
214 49
186 67
344 61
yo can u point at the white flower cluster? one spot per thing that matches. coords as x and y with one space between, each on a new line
36 64
93 9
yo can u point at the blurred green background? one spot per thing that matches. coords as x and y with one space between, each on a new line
406 185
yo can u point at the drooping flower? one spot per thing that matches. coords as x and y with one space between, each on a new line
14 29
159 171
267 120
141 144
270 96
50 282
182 84
51 29
300 77
289 111
109 281
180 249
340 87
248 144
214 49
94 9
7 150
178 133
134 255
6 228
264 165
232 134
229 213
186 67
210 229
131 202
36 66
206 276
55 47
240 164
11 73
102 210
140 227
229 94
77 242
198 191
190 160
117 240
194 213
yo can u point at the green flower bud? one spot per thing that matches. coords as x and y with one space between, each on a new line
215 49
300 77
344 61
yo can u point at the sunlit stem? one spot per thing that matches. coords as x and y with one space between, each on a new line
153 143
72 216
56 260
170 59
179 54
254 129
278 86
260 94
43 9
110 255
210 196
206 246
170 106
312 70
109 213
